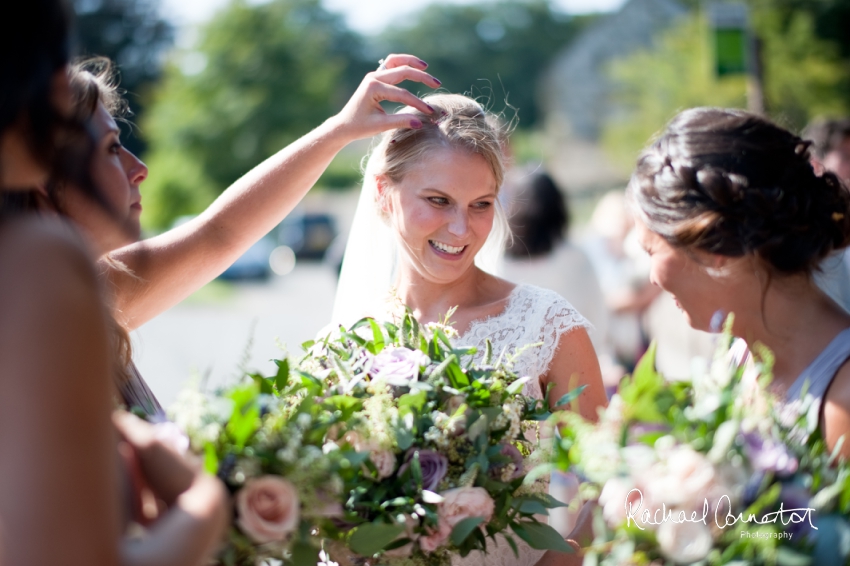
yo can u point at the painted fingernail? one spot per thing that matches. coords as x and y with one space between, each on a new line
431 108
423 63
392 141
438 81
444 113
415 124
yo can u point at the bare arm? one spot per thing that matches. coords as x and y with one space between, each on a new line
58 473
836 411
171 266
575 364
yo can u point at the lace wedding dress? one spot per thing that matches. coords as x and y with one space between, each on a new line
533 315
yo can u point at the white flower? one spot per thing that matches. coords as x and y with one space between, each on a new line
683 479
684 543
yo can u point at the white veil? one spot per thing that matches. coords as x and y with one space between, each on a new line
371 255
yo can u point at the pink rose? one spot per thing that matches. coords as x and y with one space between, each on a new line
437 538
384 461
268 509
458 504
464 502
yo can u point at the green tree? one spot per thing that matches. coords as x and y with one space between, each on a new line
804 77
131 33
260 77
492 49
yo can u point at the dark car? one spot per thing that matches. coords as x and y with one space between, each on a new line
309 235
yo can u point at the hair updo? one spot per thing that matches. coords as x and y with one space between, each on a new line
733 183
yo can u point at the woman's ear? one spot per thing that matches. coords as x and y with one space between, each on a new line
382 196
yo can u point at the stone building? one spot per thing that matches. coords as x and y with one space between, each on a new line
575 91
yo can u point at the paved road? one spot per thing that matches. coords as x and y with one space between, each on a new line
211 333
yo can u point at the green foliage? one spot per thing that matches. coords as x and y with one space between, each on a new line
493 50
259 77
804 77
133 35
655 84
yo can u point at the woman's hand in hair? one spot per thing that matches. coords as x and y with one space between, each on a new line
364 117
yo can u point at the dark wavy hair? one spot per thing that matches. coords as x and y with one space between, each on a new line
34 45
733 183
539 216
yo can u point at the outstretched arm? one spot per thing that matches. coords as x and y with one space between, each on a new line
575 364
171 266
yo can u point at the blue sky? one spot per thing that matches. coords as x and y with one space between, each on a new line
365 16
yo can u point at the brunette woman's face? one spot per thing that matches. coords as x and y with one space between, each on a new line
697 293
19 168
117 173
442 211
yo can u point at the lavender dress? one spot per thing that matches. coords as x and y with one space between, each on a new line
135 393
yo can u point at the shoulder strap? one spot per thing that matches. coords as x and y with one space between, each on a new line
823 368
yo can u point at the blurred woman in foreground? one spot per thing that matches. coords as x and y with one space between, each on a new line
61 488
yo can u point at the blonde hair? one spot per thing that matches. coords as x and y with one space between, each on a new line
458 123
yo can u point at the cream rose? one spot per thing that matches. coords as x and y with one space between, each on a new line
268 509
617 499
682 480
684 543
464 502
384 461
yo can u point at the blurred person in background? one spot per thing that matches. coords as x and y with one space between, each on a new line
613 253
63 496
830 146
641 312
147 277
541 254
830 151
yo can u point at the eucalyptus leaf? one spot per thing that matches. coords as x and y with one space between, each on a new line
281 378
373 537
541 537
304 554
464 528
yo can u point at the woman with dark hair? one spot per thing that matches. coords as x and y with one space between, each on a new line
61 491
147 277
736 221
540 253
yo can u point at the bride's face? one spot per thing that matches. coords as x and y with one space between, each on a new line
442 211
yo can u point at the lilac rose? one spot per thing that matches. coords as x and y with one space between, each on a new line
398 366
768 455
433 465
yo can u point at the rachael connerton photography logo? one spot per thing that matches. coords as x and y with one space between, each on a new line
723 516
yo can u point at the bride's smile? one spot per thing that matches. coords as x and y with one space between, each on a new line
442 211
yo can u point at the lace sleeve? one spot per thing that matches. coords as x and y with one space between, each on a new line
557 317
533 316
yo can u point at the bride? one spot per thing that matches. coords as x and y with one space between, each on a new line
430 226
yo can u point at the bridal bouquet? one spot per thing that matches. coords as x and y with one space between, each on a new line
710 471
382 444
